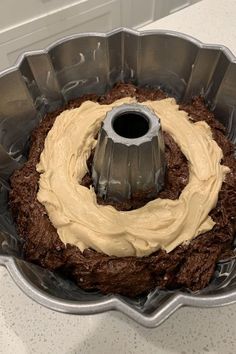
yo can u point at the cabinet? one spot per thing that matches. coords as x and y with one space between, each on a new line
33 24
168 7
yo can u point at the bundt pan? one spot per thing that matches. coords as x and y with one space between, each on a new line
43 81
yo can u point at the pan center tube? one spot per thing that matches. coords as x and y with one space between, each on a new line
129 157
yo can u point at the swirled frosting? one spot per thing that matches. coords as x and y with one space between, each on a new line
161 223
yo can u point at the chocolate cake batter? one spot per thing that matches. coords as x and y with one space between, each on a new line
189 266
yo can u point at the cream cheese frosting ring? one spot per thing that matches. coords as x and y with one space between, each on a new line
161 223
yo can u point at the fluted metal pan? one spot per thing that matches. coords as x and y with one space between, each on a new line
43 81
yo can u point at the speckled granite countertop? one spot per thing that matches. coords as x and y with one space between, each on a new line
26 327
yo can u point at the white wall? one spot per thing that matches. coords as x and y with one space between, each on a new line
33 24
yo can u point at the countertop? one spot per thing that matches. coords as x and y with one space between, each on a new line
210 21
26 327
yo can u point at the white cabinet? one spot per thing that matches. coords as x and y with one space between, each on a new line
33 24
138 13
167 7
39 31
13 12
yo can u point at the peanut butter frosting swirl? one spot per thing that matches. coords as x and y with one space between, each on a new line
161 223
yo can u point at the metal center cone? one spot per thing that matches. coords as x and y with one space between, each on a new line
129 156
